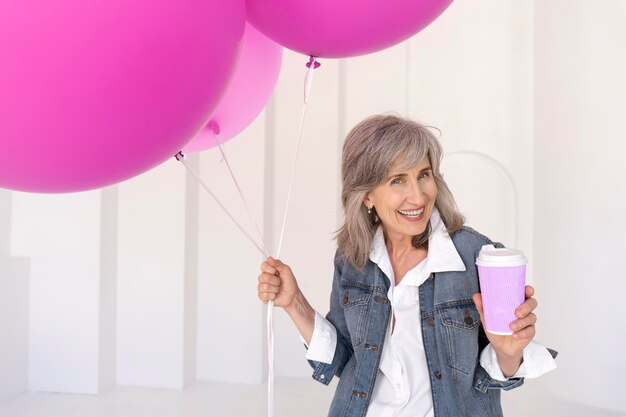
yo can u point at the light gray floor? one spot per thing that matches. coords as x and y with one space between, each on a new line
294 397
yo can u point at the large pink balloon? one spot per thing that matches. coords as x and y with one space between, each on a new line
342 28
95 92
250 89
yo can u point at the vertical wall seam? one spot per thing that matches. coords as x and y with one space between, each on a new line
107 297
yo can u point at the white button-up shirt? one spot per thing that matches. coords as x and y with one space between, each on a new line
402 387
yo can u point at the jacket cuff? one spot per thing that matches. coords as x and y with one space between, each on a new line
483 382
324 372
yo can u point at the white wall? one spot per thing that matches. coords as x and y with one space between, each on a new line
14 303
166 285
580 195
61 236
14 306
152 286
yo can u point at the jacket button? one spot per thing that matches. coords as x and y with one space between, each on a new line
437 374
381 299
371 347
431 322
345 298
468 319
359 394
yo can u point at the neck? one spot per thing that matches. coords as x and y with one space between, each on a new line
403 255
399 246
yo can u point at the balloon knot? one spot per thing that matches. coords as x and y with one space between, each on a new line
213 127
179 156
313 62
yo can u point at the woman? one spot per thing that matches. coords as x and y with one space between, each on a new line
404 333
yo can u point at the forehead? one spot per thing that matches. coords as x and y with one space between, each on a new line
403 164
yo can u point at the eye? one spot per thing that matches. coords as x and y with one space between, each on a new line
397 181
425 174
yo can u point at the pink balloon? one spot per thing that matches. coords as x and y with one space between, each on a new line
251 87
341 28
95 92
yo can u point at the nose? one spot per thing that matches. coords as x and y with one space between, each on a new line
415 194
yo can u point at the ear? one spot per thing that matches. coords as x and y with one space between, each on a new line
367 200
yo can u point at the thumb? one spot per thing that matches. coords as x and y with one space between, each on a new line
276 263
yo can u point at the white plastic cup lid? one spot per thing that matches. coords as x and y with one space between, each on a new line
500 257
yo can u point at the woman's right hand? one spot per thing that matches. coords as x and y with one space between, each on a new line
277 283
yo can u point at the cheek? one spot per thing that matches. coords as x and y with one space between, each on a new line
433 190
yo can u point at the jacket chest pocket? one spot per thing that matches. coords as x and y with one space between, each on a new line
355 301
460 332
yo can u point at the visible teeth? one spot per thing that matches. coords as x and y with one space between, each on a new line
411 213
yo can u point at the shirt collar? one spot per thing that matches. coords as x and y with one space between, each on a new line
442 254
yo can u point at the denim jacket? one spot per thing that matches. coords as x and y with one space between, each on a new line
451 330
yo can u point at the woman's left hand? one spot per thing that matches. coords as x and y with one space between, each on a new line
509 349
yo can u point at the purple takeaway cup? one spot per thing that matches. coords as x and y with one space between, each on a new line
502 275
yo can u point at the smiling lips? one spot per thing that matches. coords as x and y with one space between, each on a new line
412 215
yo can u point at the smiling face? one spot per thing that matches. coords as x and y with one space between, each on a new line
405 200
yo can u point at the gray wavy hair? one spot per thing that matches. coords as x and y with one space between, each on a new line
371 148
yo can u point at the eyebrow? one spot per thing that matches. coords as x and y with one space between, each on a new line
402 174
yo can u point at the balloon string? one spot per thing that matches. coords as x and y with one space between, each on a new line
243 198
312 65
180 157
270 359
270 307
308 80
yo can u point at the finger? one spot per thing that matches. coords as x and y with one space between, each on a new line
267 297
269 279
266 267
520 324
268 288
527 333
478 301
529 291
526 308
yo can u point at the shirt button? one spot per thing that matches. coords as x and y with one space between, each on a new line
322 376
430 277
431 322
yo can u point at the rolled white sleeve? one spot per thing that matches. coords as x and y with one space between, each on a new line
537 361
323 341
